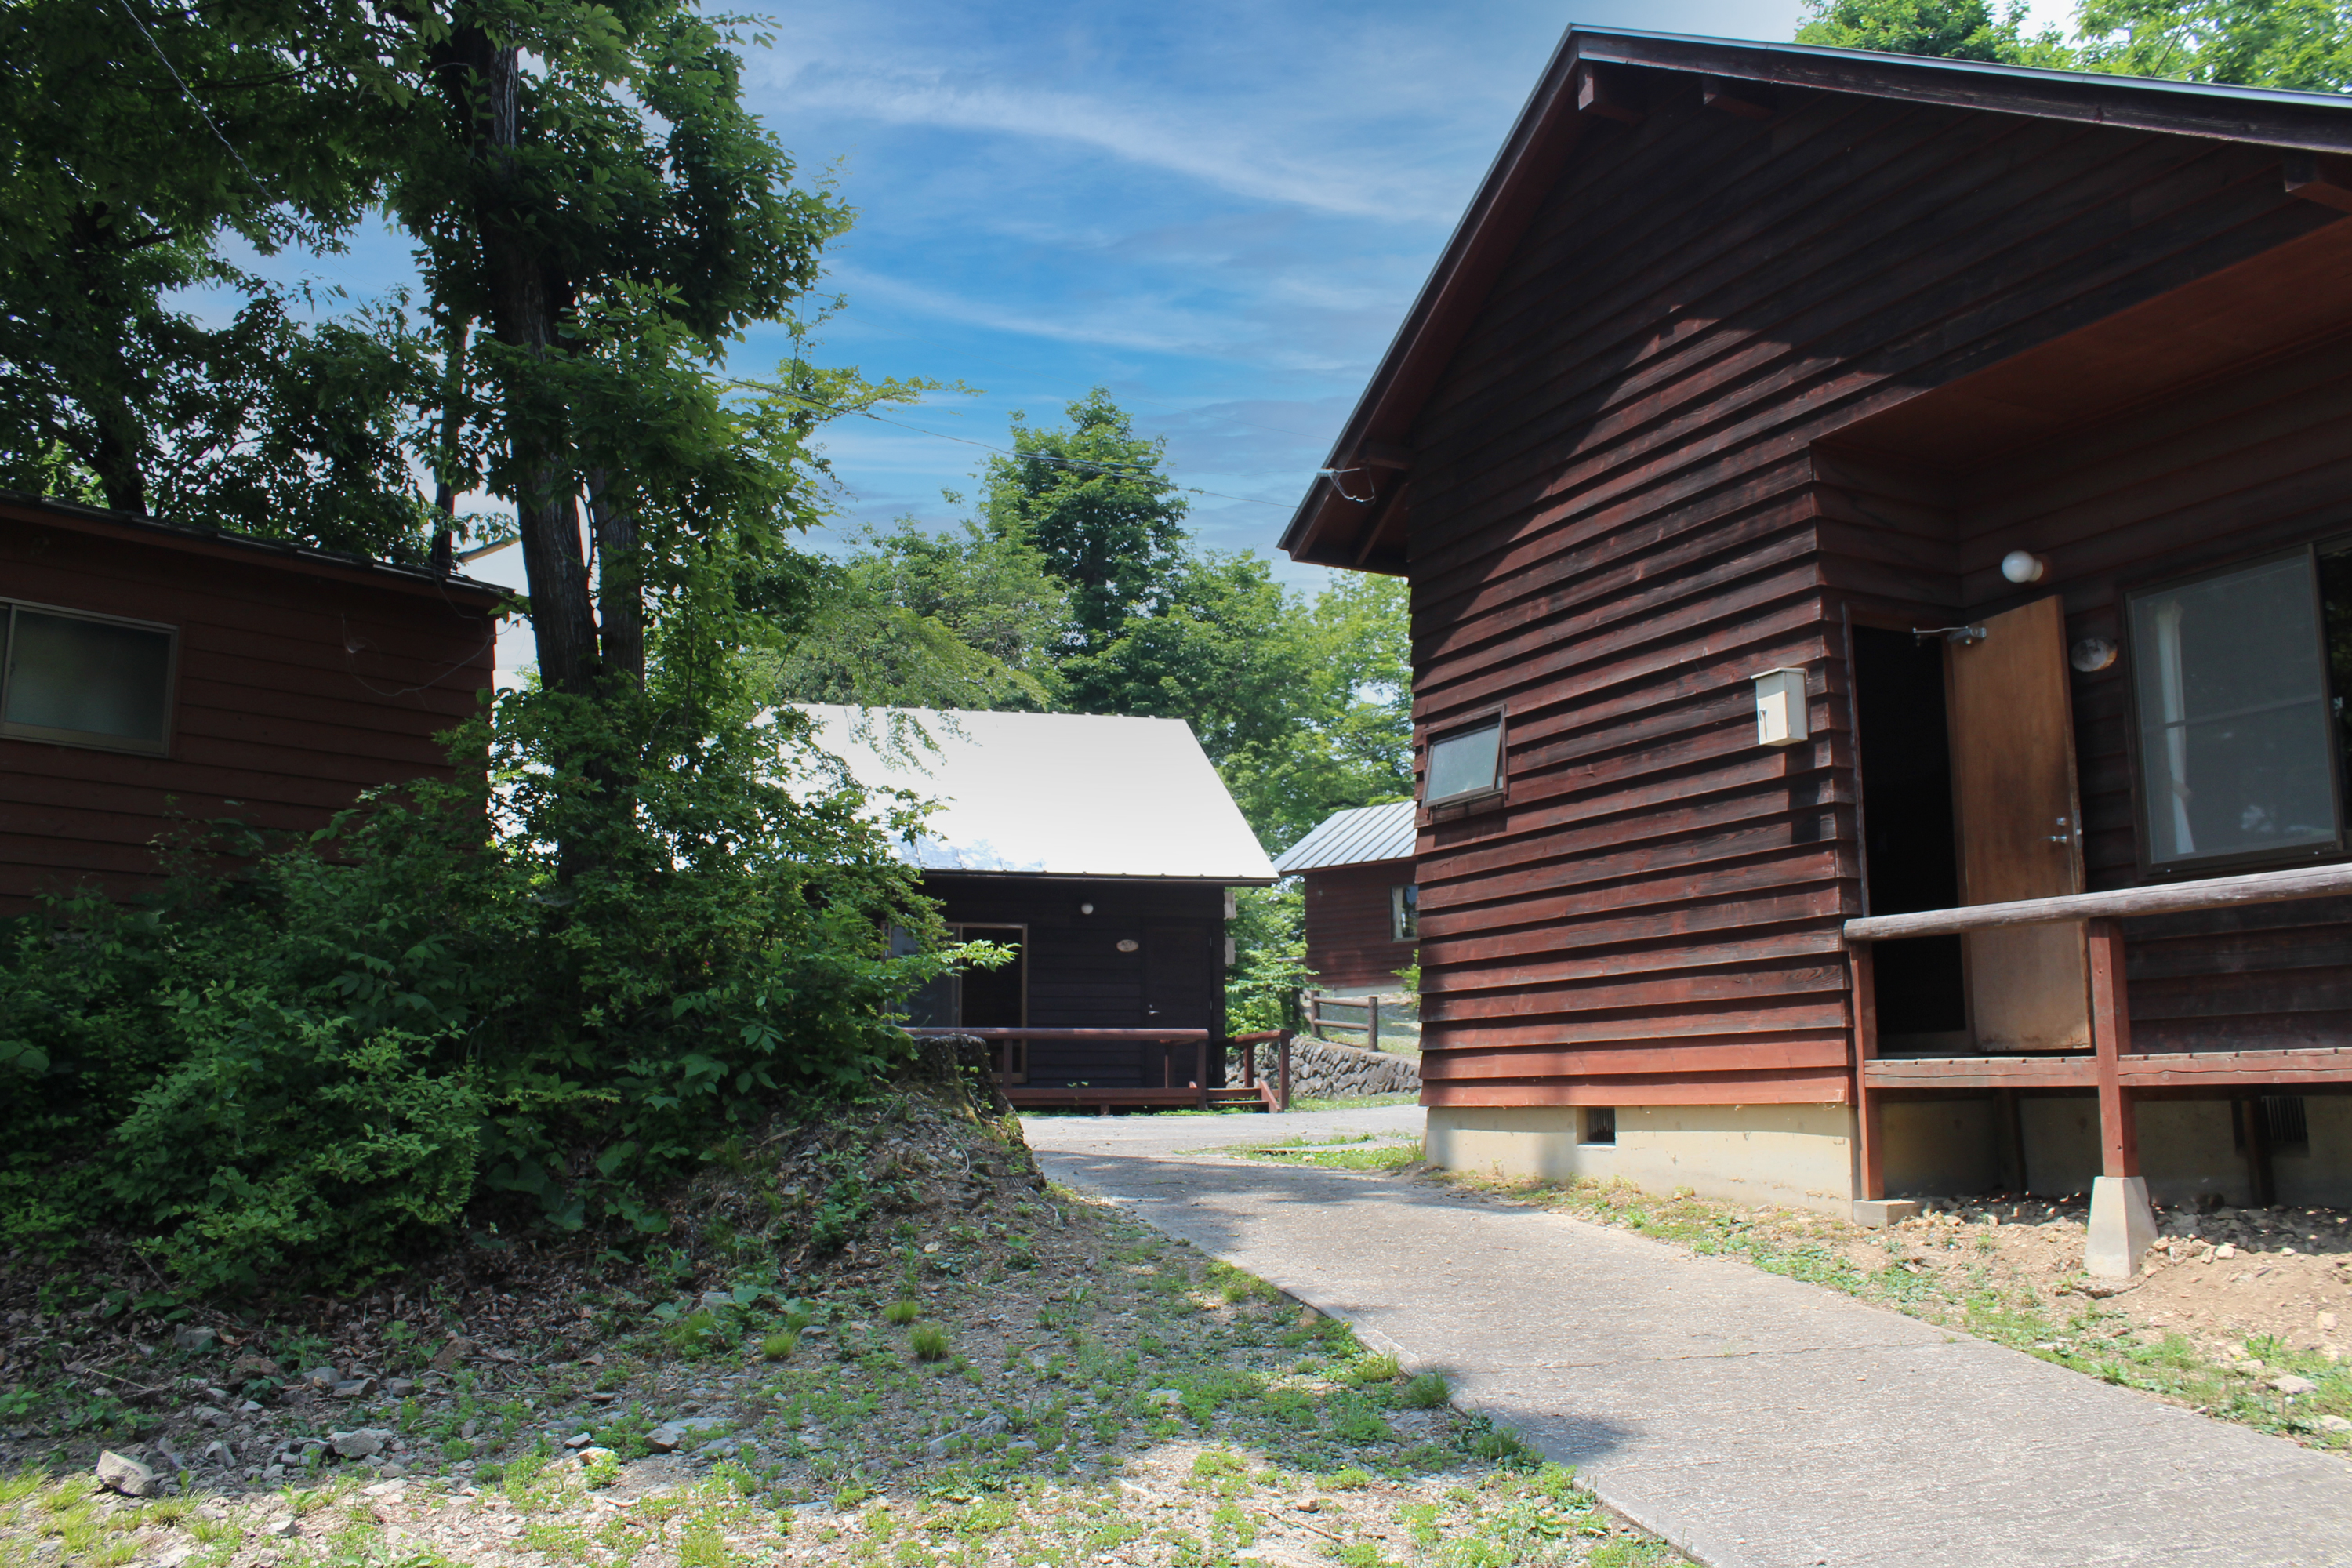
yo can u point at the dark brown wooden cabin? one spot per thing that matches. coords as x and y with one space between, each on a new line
153 670
1101 848
1355 870
1756 359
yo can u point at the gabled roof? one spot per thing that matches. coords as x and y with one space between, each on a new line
1357 836
1359 521
1052 794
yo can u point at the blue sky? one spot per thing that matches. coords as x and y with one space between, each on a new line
1219 211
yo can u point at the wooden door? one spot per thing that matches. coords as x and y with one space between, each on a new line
2014 793
1179 991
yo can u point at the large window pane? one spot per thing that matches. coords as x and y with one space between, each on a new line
89 678
2235 728
1465 763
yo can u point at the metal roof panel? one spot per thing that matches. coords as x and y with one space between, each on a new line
1357 836
1053 795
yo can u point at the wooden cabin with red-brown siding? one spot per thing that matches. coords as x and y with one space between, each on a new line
1876 534
154 673
1362 908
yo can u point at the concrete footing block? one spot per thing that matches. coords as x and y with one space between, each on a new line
2123 1226
1878 1213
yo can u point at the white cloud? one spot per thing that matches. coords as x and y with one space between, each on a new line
1202 142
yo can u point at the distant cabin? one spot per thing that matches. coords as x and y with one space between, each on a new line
150 669
1101 848
1880 541
1362 909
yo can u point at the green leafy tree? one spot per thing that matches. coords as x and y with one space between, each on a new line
142 139
1348 739
1955 29
963 618
1092 497
2300 43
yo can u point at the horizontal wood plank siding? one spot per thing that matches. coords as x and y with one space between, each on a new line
296 688
1078 977
1627 499
1348 921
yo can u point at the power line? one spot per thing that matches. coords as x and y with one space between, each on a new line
196 103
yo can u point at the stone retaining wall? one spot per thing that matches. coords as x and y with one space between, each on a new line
1320 1070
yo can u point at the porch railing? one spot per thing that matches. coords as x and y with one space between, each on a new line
2111 1066
1010 1047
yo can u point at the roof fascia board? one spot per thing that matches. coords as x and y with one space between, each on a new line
1548 131
2319 122
48 512
1490 225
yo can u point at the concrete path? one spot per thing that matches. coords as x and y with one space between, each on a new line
1747 1418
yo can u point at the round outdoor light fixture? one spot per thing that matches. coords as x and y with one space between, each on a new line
1128 944
2024 566
2092 655
1086 909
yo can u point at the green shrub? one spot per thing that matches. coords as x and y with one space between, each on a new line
902 1313
298 1060
929 1341
780 1347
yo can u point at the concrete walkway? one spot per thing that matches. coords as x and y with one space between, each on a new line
1747 1418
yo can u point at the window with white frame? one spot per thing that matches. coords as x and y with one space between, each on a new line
80 679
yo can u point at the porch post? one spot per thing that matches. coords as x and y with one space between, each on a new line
1870 1153
2123 1225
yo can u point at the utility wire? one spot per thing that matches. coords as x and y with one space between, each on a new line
196 103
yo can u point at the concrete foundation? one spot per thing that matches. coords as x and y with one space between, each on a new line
2123 1227
1801 1155
1804 1156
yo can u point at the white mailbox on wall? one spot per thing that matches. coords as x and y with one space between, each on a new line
1780 713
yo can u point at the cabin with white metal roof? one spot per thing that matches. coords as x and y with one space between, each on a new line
1102 850
1362 908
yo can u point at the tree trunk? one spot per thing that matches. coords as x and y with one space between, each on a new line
527 297
620 586
117 453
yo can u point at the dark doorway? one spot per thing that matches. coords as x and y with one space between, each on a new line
1909 854
997 998
1179 992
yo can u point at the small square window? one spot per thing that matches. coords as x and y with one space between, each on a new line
1466 762
86 682
1404 913
1600 1124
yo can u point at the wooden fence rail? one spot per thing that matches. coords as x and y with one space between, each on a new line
1194 1090
2111 1067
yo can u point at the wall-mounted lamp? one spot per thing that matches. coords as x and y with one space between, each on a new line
2023 567
1128 944
1086 909
1780 711
2092 655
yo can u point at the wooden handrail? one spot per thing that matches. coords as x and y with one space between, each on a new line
1154 1037
2218 892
